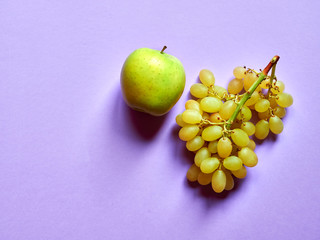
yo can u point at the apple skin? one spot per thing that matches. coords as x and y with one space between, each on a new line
152 81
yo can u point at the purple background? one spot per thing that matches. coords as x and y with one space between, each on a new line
76 163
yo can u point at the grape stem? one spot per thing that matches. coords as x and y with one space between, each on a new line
248 94
273 71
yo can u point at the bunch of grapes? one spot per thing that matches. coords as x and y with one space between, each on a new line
217 125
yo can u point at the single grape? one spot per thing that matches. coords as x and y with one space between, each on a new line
277 87
235 86
209 165
248 157
215 118
227 109
265 84
279 111
264 115
212 133
262 129
239 72
219 91
229 180
202 154
193 172
241 173
210 104
213 146
188 132
199 90
206 77
248 127
191 116
275 124
239 137
179 120
232 163
249 79
195 144
284 100
253 99
218 181
224 147
251 144
245 114
194 105
205 116
262 105
204 178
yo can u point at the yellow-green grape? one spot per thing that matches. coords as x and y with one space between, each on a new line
209 165
227 109
264 115
195 144
235 86
279 111
188 132
193 172
219 91
232 163
245 114
212 133
265 84
277 87
215 118
213 146
253 99
241 173
202 154
229 180
205 116
248 127
194 105
204 178
239 137
219 180
239 72
248 157
251 145
275 124
179 120
262 105
224 147
210 104
191 116
199 90
206 77
249 79
262 129
284 100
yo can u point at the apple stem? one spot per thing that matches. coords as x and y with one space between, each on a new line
164 48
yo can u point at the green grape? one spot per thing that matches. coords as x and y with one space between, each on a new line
235 86
194 105
239 137
206 77
249 79
253 99
284 100
229 180
239 72
209 165
277 87
179 120
262 129
248 157
219 91
204 179
193 172
191 116
213 146
280 112
210 104
262 105
205 116
264 115
224 147
232 163
202 154
227 109
219 180
241 173
212 133
199 90
188 132
245 114
215 118
248 127
275 125
265 84
251 144
195 144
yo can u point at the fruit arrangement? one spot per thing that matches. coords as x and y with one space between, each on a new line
217 124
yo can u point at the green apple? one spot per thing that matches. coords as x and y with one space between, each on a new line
152 81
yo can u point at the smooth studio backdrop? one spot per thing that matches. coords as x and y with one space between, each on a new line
77 163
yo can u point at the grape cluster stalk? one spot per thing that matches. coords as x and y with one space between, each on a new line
217 126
